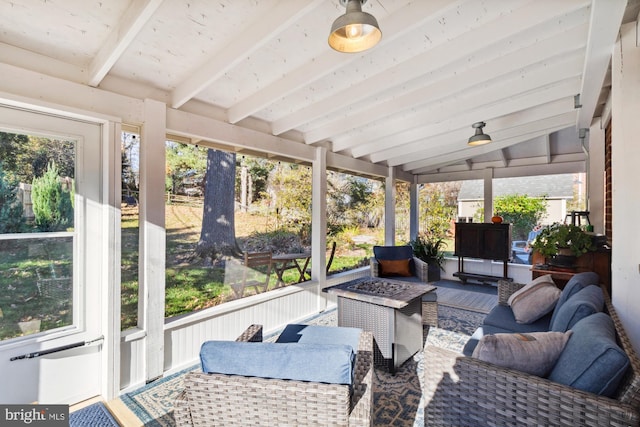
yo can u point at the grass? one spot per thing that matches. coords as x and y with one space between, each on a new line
190 285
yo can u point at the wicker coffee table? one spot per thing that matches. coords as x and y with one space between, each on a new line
390 309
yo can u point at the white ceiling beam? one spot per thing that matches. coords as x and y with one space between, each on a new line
546 146
265 28
510 172
395 26
503 139
563 48
606 17
503 157
496 106
469 43
133 20
534 107
455 94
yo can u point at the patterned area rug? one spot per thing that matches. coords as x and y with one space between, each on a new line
397 400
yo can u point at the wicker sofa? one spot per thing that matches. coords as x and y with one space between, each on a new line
461 390
227 400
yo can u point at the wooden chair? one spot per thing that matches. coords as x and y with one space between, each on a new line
256 273
329 260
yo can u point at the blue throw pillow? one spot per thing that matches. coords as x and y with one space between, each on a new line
591 360
574 285
324 363
583 303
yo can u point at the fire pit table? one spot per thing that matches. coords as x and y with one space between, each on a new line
390 309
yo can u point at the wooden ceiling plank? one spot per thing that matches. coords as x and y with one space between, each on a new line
507 139
394 27
134 19
263 30
482 105
506 26
569 43
554 101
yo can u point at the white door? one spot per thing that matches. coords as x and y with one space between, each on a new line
51 267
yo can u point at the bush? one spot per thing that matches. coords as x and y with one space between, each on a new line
11 215
52 205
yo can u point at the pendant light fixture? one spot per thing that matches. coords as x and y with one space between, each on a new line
354 31
479 138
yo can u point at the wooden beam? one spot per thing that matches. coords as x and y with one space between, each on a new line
606 17
134 19
265 28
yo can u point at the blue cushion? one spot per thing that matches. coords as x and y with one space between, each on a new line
325 363
312 334
574 285
583 303
501 316
591 360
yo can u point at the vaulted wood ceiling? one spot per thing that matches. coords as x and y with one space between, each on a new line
534 70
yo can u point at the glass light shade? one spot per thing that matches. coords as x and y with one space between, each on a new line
355 31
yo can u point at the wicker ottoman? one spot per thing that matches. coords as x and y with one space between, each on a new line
430 309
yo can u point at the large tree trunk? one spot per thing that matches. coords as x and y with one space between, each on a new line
217 237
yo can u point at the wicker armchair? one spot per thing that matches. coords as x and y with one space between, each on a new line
420 268
463 391
230 400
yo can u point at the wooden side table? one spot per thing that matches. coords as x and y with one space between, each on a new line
599 262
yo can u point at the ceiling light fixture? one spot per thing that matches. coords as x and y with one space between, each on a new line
354 31
479 138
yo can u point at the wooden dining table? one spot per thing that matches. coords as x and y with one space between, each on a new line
284 262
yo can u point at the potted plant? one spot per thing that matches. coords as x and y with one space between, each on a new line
428 248
561 244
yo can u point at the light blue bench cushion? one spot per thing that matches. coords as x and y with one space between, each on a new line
591 360
314 334
574 285
324 363
583 303
501 316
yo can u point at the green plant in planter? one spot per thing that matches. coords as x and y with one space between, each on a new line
557 237
429 249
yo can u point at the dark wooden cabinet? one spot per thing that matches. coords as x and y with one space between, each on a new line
484 241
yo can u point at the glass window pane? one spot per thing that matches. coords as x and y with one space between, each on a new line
37 197
130 240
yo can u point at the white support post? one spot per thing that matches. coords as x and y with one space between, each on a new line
152 236
390 208
488 194
112 132
595 177
319 220
625 158
414 210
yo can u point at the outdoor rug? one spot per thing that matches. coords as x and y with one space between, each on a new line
96 415
397 399
466 300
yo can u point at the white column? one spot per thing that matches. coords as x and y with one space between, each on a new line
414 210
152 236
390 208
488 194
319 216
625 158
595 176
